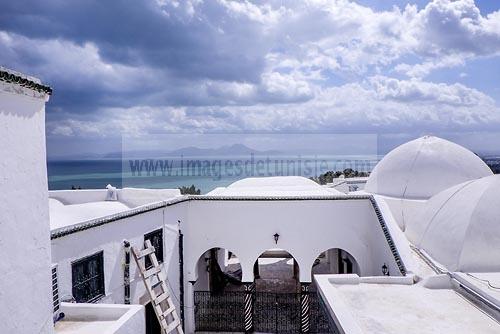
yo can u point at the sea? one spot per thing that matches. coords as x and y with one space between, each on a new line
205 173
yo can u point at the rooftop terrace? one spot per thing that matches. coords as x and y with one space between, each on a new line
389 305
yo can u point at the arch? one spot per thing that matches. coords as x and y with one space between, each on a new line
276 270
335 261
218 269
363 255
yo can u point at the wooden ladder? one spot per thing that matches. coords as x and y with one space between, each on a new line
155 281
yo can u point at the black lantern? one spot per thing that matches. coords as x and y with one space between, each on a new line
385 270
276 237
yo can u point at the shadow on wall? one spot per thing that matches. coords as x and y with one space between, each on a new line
218 270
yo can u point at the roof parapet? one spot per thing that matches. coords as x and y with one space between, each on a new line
17 78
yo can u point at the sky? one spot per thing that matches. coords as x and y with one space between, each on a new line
239 71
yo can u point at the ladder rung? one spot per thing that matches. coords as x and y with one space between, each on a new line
145 252
150 272
168 311
173 325
157 284
161 297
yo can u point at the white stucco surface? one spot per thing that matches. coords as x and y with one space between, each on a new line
306 228
69 207
423 167
131 197
400 308
275 186
397 235
101 318
404 210
134 197
64 215
25 287
459 227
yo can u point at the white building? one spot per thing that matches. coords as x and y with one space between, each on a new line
416 251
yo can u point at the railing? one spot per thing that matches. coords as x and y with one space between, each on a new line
277 312
219 312
272 312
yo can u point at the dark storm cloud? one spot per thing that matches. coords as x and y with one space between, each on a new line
143 33
173 51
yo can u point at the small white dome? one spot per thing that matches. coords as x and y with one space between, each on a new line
460 227
275 182
275 186
423 167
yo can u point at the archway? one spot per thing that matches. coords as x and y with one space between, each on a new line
276 270
218 270
335 261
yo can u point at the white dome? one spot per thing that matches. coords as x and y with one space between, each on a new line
460 227
275 182
423 167
275 186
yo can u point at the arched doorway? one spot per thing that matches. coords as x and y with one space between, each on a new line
276 270
218 270
335 261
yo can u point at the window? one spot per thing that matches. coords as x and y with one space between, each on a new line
88 278
156 238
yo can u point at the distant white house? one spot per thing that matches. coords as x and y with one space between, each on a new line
404 254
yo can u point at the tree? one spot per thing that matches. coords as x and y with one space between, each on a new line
330 175
189 190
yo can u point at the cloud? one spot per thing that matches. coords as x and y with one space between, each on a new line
448 33
319 65
377 104
423 69
417 91
446 27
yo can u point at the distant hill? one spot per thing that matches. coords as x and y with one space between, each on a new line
236 149
193 151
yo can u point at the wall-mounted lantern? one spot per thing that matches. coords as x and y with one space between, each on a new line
276 237
385 270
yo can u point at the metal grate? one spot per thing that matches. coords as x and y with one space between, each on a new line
88 278
55 291
272 312
321 321
219 312
277 312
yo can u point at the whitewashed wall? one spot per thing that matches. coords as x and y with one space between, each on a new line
306 229
109 239
25 286
403 209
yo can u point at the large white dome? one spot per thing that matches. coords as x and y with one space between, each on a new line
423 167
460 227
